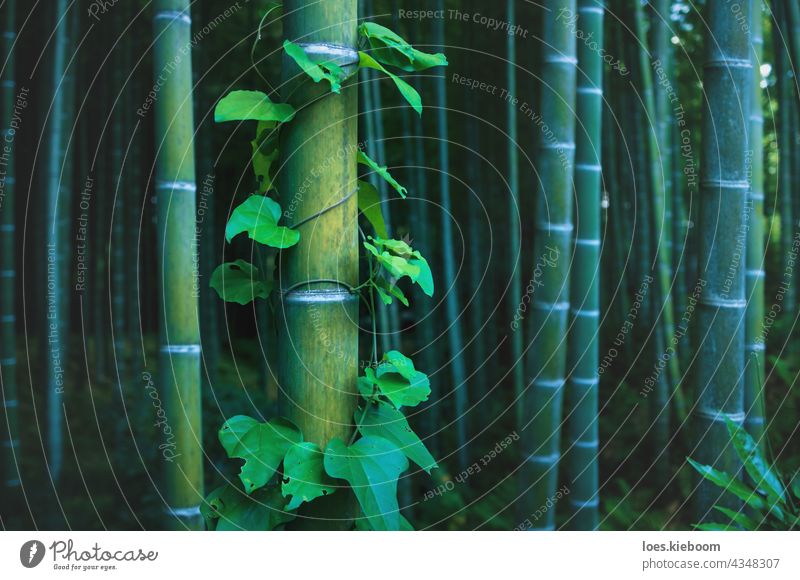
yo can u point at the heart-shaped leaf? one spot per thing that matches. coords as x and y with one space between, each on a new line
304 476
239 282
383 420
251 106
398 380
391 49
258 215
371 466
230 509
261 445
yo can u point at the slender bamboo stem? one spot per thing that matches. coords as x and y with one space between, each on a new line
452 302
727 74
179 361
54 332
541 430
661 301
514 213
9 425
580 466
755 275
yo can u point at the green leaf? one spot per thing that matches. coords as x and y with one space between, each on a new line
230 509
388 291
328 71
371 466
383 420
755 464
304 474
713 527
725 481
795 485
391 49
738 517
239 282
258 215
369 204
399 259
265 156
362 525
381 170
251 106
409 93
261 445
425 277
398 380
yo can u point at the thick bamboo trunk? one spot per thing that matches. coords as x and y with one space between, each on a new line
542 404
318 319
727 74
179 361
754 275
580 466
9 428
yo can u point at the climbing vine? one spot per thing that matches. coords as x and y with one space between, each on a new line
280 470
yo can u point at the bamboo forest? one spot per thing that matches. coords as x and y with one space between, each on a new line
383 265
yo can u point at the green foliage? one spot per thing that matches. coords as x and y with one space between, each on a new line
381 170
371 466
239 282
391 49
261 445
383 420
251 106
303 475
258 215
274 452
228 508
767 497
409 93
318 71
278 464
400 260
369 204
396 379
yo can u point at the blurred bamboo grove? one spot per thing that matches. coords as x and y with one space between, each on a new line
579 219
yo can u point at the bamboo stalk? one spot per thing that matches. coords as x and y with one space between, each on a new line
784 131
179 361
727 74
514 216
455 339
755 275
580 466
54 331
476 236
318 326
9 424
661 301
542 405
